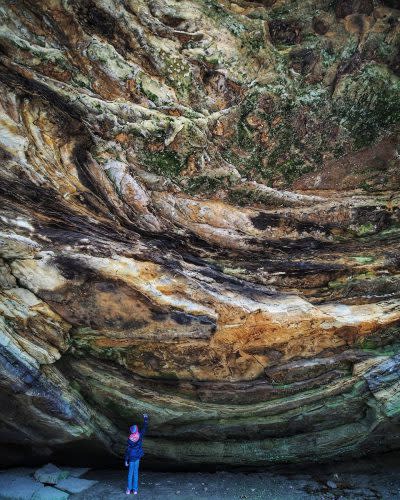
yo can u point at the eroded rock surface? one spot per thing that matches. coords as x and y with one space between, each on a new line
200 221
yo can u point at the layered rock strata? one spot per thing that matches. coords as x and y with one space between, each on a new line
200 220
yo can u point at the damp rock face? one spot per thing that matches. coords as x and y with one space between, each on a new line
200 220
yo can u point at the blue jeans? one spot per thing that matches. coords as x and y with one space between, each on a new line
133 475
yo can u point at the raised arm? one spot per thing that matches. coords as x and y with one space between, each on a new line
145 421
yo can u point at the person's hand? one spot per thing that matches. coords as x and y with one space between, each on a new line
126 464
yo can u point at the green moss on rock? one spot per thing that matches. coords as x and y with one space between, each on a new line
206 184
166 162
368 102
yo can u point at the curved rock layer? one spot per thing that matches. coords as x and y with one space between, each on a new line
200 221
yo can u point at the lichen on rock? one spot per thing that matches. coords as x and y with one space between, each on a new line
200 221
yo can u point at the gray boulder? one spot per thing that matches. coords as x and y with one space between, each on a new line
75 484
50 474
13 487
76 471
50 493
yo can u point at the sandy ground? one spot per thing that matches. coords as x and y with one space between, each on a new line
376 478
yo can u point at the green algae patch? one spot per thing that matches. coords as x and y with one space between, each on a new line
384 342
206 184
390 231
368 102
166 163
290 169
216 11
339 283
365 229
363 259
84 344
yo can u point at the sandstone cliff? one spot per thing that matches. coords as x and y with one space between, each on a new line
200 220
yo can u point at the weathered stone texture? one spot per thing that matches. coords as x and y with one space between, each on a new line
200 220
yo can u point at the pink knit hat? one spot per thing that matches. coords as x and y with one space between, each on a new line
134 436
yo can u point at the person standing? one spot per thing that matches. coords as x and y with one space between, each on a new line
134 452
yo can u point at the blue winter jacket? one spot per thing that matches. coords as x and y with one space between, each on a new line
134 451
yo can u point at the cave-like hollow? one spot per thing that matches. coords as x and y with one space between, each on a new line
200 220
